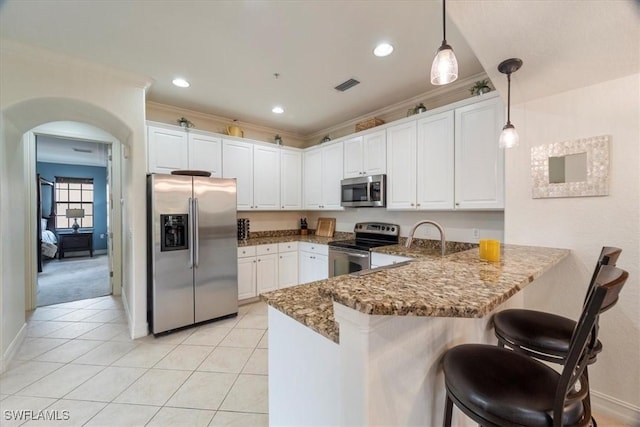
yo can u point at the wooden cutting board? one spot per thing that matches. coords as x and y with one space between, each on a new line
326 227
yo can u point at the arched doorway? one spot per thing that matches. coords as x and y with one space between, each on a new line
18 188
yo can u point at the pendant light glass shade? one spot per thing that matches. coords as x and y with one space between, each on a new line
509 137
445 66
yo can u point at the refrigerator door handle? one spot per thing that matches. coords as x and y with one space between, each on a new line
196 227
191 236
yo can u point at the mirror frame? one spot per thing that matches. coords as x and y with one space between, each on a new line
597 183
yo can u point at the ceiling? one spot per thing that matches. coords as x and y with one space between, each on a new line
50 149
230 50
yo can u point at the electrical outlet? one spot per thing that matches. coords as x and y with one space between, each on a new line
476 233
102 236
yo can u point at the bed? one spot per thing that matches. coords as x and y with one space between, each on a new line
47 241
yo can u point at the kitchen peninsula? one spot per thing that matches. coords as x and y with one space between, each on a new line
365 350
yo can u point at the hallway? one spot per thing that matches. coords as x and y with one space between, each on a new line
79 366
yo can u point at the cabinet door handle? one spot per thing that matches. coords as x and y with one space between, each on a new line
258 260
417 204
283 207
411 204
457 204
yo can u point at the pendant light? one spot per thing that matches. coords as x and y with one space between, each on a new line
445 65
509 137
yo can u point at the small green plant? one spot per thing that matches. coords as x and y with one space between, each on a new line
480 87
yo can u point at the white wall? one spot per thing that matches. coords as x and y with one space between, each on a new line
585 224
37 87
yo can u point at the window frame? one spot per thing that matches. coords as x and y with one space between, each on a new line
64 184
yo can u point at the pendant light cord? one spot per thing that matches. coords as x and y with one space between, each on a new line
508 98
444 25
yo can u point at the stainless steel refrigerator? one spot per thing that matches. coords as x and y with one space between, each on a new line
192 250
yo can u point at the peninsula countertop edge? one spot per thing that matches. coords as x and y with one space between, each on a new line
457 285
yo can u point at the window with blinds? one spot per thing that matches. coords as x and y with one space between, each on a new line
74 193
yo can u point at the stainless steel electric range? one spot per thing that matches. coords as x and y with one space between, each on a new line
349 256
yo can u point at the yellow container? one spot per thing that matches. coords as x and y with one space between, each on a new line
490 249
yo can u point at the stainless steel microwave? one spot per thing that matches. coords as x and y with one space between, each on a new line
365 191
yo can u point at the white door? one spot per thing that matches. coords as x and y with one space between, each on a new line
353 157
238 163
167 150
312 178
267 273
401 166
266 177
479 162
435 162
287 269
290 179
332 170
374 153
205 154
246 277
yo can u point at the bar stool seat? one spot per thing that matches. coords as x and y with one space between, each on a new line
546 336
505 387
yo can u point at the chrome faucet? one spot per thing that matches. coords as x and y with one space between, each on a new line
435 224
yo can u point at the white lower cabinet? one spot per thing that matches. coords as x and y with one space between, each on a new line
314 262
380 260
287 264
267 268
247 268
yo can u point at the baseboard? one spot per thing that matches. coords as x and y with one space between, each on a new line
615 408
13 348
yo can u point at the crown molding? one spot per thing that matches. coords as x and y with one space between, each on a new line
436 97
207 116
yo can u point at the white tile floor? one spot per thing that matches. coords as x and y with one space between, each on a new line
78 357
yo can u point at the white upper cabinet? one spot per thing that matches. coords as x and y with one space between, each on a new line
332 168
479 162
205 154
238 164
434 184
266 177
290 179
174 149
401 166
257 172
365 155
323 169
313 178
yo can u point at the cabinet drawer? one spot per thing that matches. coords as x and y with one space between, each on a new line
314 248
267 249
246 251
288 247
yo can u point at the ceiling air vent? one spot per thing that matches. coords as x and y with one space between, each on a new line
346 85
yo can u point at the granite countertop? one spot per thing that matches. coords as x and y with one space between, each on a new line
458 285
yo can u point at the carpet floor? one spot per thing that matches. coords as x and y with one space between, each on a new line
72 279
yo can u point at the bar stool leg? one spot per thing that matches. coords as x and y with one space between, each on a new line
448 410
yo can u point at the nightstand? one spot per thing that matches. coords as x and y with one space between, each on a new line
72 242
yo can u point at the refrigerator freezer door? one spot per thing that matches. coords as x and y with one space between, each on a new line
171 277
216 274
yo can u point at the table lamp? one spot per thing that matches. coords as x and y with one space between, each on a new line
75 214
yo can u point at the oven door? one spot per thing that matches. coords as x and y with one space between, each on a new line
346 261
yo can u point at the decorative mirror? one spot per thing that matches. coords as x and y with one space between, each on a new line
578 168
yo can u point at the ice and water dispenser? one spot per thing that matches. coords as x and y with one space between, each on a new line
175 232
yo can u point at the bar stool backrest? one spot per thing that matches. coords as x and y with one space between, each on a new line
608 256
607 286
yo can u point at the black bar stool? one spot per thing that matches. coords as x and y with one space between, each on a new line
541 335
499 387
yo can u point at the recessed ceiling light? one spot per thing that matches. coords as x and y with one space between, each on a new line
278 110
383 49
181 82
